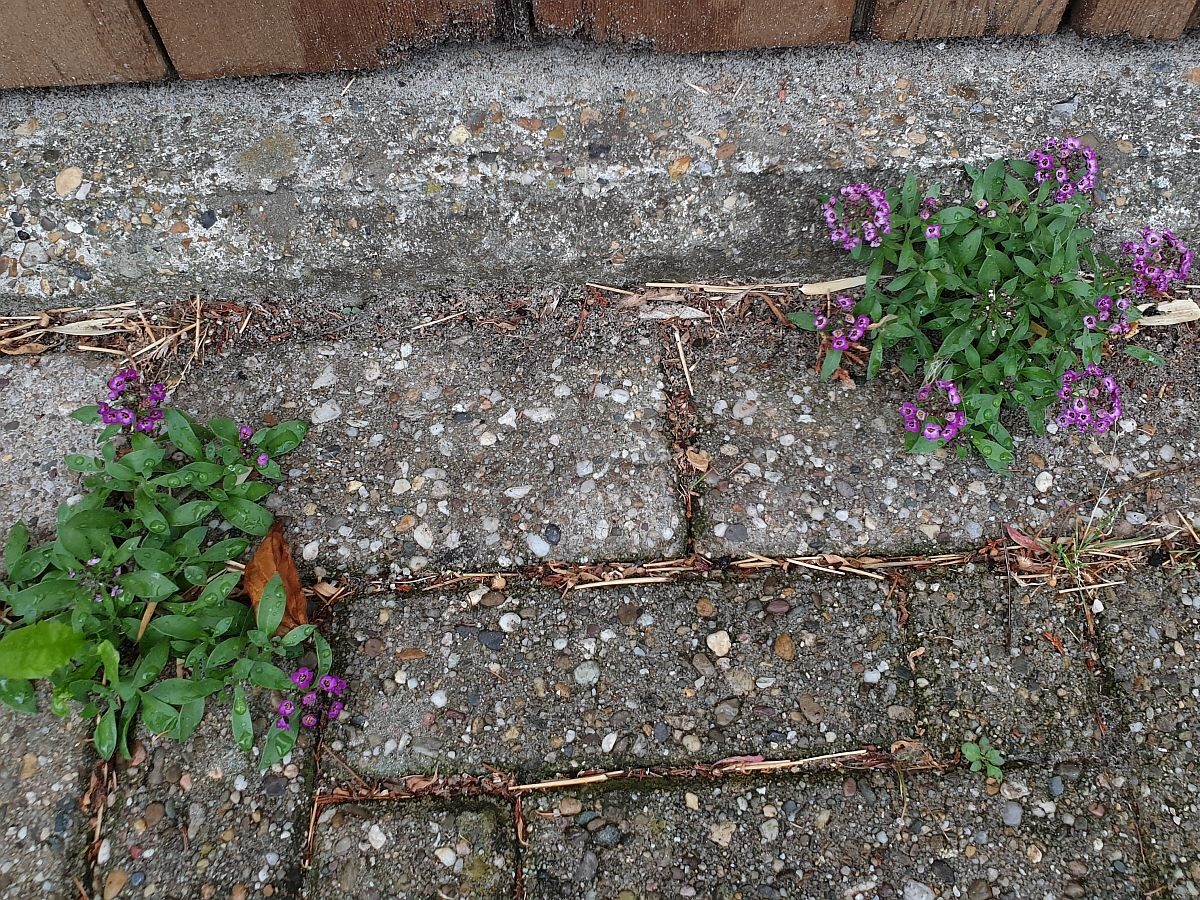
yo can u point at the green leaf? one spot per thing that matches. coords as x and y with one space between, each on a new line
802 319
149 666
18 694
297 635
36 651
219 588
225 429
188 720
178 691
88 415
241 720
1026 266
148 585
952 215
970 246
111 661
30 565
272 604
1146 356
875 360
120 471
997 457
190 513
105 736
182 628
223 551
324 654
15 546
225 652
833 359
181 434
148 512
154 560
279 744
271 677
246 516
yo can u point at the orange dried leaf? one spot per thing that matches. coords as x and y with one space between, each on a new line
275 556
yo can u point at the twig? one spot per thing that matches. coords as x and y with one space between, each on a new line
348 85
655 579
687 375
1090 587
829 287
615 290
461 312
150 607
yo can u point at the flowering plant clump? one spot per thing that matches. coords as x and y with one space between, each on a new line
1091 400
1157 261
992 288
858 213
128 611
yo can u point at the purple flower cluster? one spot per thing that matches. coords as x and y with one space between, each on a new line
1158 260
324 698
245 432
929 206
136 415
857 213
1066 163
982 207
1091 400
854 328
1104 316
919 421
94 578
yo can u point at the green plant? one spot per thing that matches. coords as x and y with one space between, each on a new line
128 612
992 299
983 756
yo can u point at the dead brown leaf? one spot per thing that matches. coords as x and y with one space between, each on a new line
678 168
699 459
23 349
274 555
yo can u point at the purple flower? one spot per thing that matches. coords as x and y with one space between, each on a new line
328 682
844 302
840 342
125 416
283 724
262 460
931 432
286 708
245 432
1089 322
335 709
302 677
856 213
933 232
309 720
820 322
310 698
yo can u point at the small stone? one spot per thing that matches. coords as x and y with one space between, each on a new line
726 712
587 673
570 806
1012 814
207 219
552 534
327 378
153 814
29 765
459 135
510 622
744 409
849 787
326 412
722 833
114 882
608 836
718 642
979 890
538 544
769 830
1044 482
705 608
914 890
1056 786
376 838
785 647
439 698
446 856
493 640
67 182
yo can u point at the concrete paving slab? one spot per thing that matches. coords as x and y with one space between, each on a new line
1165 787
540 683
988 667
44 765
851 835
567 163
462 449
374 851
200 819
806 466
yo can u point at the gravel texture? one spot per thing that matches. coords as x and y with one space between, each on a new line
453 450
201 820
988 666
420 849
43 771
850 835
451 681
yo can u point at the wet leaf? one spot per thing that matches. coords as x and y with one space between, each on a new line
274 557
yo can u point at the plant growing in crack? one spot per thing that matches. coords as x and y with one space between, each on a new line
983 757
128 612
994 300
